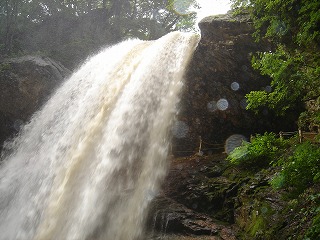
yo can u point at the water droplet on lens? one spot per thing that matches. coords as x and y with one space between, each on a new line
264 210
268 89
180 129
244 68
181 7
243 103
265 111
17 124
235 86
150 194
212 106
234 141
222 104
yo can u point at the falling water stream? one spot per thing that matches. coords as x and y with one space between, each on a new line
88 164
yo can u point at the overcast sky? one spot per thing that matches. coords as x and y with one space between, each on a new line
212 7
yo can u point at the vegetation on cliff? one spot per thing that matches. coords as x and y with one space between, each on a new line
294 63
292 172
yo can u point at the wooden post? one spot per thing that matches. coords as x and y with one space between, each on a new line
300 135
200 145
281 134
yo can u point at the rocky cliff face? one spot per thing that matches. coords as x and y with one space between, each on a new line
195 201
213 103
220 74
204 197
25 84
200 190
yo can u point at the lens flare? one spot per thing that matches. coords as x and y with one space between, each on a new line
182 7
212 106
223 104
234 141
180 129
235 86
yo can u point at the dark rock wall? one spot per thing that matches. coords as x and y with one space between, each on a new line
219 76
194 196
213 103
25 84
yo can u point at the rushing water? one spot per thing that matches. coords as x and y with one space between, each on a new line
88 164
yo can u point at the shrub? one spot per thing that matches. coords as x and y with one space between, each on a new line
314 231
259 153
302 169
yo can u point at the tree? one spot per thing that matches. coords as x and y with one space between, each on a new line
293 26
153 19
8 16
145 19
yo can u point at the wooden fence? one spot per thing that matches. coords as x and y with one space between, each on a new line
207 147
303 136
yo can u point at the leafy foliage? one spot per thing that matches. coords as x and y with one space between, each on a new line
301 169
292 80
51 26
293 26
288 21
300 164
293 65
311 118
297 167
314 231
259 153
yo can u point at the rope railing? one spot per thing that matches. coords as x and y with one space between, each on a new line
303 135
215 146
221 146
287 133
212 144
205 149
203 146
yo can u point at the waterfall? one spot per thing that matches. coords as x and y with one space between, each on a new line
87 165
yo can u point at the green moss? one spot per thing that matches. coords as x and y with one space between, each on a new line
257 225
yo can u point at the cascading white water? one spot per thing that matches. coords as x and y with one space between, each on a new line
88 164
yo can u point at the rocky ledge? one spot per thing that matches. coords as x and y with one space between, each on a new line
184 208
204 197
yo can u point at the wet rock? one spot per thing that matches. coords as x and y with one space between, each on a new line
215 171
259 213
25 84
176 218
218 78
201 186
236 204
192 203
169 217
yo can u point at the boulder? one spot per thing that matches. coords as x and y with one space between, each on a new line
172 218
195 200
25 84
